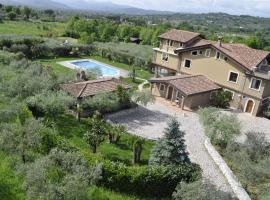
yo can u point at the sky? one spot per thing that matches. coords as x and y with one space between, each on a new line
238 7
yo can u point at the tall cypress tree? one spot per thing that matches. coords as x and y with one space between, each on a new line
171 149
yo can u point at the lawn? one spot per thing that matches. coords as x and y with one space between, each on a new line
69 127
32 28
141 73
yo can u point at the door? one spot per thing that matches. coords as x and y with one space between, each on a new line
249 106
170 91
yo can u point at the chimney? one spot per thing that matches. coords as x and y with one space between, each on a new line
220 38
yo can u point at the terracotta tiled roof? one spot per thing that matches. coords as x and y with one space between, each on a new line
243 54
91 88
189 84
179 35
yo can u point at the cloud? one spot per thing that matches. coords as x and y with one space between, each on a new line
239 7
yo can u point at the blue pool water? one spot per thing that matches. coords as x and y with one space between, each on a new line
88 64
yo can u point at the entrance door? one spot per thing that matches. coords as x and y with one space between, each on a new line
170 91
249 106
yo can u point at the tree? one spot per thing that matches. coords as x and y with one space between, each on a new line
199 190
22 139
60 175
96 134
171 149
49 103
143 97
27 12
123 95
221 99
12 16
137 149
115 133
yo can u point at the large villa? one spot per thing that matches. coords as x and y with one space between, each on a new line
197 67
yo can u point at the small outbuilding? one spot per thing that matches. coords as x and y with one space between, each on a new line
191 91
91 88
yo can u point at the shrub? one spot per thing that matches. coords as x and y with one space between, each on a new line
221 99
220 127
199 190
266 110
171 149
60 175
146 181
104 103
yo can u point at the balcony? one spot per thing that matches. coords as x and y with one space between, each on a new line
263 72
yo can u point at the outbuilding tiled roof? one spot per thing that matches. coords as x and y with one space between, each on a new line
189 84
179 35
93 87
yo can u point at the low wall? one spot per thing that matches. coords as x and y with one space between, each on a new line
236 186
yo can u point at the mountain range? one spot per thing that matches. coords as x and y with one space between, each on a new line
84 6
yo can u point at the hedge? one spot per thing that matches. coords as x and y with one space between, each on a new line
146 181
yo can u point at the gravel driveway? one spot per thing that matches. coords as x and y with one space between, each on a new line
253 124
149 122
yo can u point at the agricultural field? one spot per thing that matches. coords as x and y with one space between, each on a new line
46 29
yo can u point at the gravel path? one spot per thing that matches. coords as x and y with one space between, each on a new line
257 125
149 123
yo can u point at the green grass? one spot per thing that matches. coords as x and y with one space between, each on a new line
32 28
129 81
69 127
59 69
141 73
10 184
99 193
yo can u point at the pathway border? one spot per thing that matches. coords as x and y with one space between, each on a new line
236 186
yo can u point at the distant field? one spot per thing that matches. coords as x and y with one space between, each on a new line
139 51
32 28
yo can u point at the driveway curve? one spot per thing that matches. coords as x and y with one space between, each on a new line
149 122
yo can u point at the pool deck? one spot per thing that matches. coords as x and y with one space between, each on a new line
68 64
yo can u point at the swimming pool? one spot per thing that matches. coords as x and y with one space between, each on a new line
91 64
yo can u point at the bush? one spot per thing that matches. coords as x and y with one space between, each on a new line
221 99
145 181
104 103
199 190
220 127
266 110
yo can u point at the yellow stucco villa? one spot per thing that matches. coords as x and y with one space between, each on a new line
204 66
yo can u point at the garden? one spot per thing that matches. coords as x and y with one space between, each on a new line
249 160
82 159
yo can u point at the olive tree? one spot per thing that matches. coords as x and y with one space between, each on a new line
60 175
50 103
97 131
199 190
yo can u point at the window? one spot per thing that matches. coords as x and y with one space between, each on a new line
233 77
208 53
194 53
187 63
171 43
200 52
162 87
255 84
226 58
165 57
218 55
181 44
226 90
